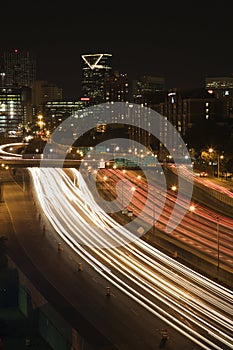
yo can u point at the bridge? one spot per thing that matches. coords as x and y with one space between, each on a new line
28 163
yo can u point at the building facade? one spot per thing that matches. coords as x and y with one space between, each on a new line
186 108
11 110
116 88
96 68
19 68
146 89
42 92
222 87
55 112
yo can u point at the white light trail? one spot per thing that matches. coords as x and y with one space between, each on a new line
85 227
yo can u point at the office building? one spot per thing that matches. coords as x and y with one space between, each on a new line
116 87
146 89
19 68
185 108
96 68
222 87
55 112
42 92
11 110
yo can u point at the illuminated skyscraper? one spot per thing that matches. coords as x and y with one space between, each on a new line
95 70
11 110
147 89
222 87
19 68
117 88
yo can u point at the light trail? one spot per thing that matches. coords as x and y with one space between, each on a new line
10 155
76 217
196 229
206 182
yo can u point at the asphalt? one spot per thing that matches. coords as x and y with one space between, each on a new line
79 297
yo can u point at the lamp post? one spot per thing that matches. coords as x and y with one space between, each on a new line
219 157
192 209
217 234
122 196
153 229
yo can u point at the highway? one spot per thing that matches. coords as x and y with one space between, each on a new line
197 228
8 151
193 305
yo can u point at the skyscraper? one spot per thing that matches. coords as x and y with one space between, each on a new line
117 88
19 68
147 89
95 70
222 87
11 109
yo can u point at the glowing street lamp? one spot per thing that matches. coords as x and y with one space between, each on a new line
219 157
217 235
133 188
192 208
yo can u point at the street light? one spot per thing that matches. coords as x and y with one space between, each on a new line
192 209
219 157
217 234
103 182
122 197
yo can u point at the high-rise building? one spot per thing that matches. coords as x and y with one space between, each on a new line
219 83
147 88
96 68
55 112
18 68
42 92
117 88
11 109
222 87
185 108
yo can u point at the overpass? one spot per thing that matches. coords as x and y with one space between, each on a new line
53 163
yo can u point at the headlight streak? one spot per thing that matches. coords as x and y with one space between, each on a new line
103 218
11 155
139 242
184 172
220 305
185 229
100 268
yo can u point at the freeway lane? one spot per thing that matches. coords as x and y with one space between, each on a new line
205 306
197 229
79 297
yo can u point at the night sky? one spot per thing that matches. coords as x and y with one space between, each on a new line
183 42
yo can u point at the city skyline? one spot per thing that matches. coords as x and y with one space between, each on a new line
116 208
183 45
